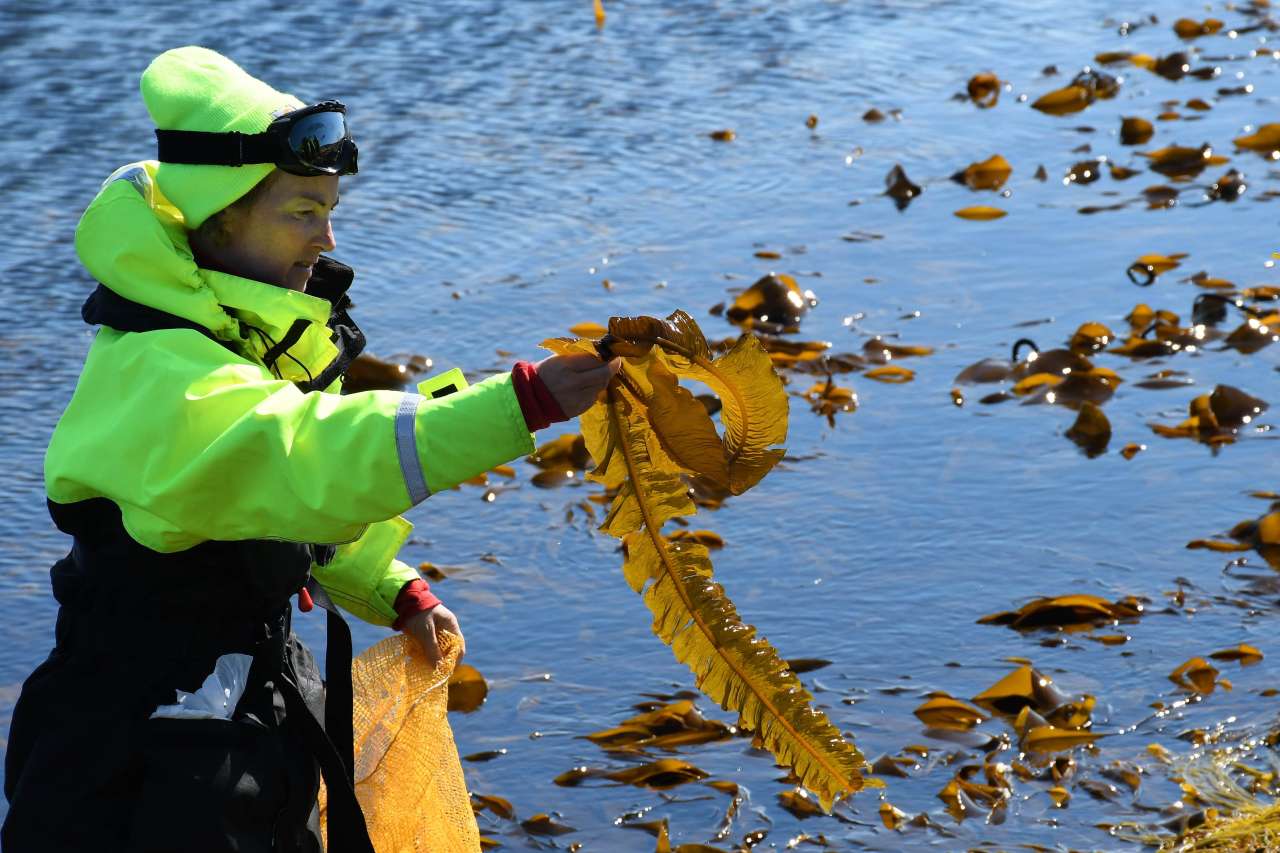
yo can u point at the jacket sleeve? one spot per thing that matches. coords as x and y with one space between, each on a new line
194 443
364 577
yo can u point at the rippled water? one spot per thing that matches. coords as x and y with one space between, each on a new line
513 157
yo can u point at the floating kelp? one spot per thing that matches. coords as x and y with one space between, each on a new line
565 451
1165 379
1265 140
828 399
542 824
1038 372
1255 333
659 775
1073 388
370 373
587 330
1064 101
980 212
676 724
990 174
1085 88
1261 534
1189 29
773 303
1215 418
467 689
1074 612
1115 57
1135 130
1054 361
880 351
497 805
1244 654
826 364
1137 346
965 796
1208 282
1090 338
1054 739
1022 688
1197 675
1177 65
788 354
799 803
1144 271
891 816
891 373
987 370
1084 172
900 188
1229 187
725 135
943 711
1091 431
1160 196
1168 339
984 89
1178 161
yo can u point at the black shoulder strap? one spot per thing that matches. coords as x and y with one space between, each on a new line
331 743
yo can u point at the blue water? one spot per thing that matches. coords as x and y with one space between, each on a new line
513 157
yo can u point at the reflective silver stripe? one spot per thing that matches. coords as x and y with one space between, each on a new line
407 447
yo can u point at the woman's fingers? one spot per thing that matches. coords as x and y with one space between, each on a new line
447 621
581 362
576 380
427 639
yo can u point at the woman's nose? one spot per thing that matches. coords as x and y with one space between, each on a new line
325 240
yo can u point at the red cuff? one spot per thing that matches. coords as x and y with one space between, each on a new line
415 597
539 408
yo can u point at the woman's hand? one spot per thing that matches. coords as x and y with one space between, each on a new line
576 380
424 627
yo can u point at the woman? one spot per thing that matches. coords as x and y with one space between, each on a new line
209 469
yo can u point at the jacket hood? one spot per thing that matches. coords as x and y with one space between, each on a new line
134 242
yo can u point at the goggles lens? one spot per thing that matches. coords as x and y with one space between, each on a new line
319 140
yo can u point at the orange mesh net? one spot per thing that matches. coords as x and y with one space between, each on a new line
408 777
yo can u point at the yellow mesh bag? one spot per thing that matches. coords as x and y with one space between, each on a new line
408 778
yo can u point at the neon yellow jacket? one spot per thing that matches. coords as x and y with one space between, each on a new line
195 443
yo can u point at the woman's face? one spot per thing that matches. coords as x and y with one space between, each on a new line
278 238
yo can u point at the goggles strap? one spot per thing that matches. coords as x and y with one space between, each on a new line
197 147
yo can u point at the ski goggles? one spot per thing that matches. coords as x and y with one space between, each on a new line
309 142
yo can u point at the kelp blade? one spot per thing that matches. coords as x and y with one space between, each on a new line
755 404
646 437
693 615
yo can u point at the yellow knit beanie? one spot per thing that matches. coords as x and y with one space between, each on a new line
194 88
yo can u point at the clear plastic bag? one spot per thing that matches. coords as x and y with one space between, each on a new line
217 697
